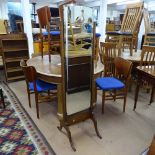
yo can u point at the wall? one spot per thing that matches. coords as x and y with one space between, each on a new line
3 9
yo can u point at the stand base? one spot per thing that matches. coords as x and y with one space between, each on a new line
76 118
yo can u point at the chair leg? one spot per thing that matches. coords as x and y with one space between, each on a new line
48 92
124 105
152 96
37 104
28 92
103 101
131 48
114 95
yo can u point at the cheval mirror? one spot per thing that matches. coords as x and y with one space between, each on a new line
77 55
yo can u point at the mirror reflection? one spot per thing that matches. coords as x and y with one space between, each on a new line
78 52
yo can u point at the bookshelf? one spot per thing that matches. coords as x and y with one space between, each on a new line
14 48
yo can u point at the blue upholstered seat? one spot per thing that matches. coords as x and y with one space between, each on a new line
54 33
109 83
98 35
42 86
151 34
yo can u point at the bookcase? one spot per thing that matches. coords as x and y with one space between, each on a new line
14 48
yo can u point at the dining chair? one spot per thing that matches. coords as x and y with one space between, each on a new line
44 17
149 33
128 35
108 52
148 61
36 86
117 85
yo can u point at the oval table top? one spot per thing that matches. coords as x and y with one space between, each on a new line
136 57
53 69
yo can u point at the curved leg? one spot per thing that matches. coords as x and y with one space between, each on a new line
68 134
95 125
70 137
60 127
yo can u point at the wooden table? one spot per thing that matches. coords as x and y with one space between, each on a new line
147 74
51 72
135 59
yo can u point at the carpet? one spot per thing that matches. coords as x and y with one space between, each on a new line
18 133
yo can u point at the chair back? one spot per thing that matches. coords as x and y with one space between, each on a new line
44 16
132 18
20 26
108 52
123 69
147 21
148 56
29 72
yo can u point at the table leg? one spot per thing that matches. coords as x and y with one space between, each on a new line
152 95
136 94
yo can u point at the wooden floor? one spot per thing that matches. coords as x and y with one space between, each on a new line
122 133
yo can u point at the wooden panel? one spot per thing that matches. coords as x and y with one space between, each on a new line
78 73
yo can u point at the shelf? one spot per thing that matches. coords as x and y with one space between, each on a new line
15 59
16 78
15 69
14 39
15 49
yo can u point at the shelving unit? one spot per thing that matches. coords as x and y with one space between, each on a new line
14 48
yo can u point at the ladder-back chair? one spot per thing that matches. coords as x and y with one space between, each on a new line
108 52
148 62
149 33
128 35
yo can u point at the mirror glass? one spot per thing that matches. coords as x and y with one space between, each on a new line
78 34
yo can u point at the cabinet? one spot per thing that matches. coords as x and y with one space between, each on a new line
14 48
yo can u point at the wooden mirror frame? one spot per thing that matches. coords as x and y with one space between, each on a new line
68 120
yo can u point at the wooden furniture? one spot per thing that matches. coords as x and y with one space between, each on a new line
147 74
44 16
35 85
14 48
78 37
149 33
152 147
3 28
146 70
118 84
129 28
108 53
97 46
2 98
20 26
78 68
110 27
